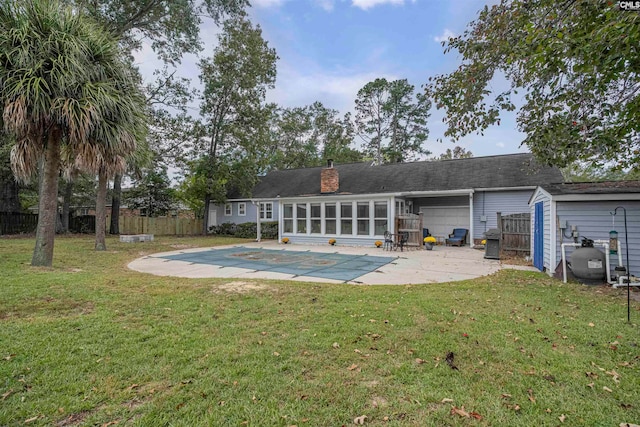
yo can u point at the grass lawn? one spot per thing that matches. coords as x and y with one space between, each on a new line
91 343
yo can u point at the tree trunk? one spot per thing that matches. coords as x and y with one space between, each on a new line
205 220
48 203
101 212
114 227
68 192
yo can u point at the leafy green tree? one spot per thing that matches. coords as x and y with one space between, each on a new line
457 153
392 120
62 88
234 111
172 28
152 193
308 136
577 65
586 172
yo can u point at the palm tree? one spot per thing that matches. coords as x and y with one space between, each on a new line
58 93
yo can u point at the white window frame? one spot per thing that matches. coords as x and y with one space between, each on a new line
286 218
228 209
264 211
242 209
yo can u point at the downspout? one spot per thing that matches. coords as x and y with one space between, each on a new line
258 227
553 249
471 240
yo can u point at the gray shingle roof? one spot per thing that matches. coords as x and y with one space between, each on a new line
603 187
514 170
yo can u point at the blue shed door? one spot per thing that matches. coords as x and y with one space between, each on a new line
538 237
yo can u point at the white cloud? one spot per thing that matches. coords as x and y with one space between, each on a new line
327 5
368 4
337 90
264 4
500 144
446 35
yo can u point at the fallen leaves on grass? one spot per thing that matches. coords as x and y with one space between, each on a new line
446 400
7 394
629 425
463 413
531 398
354 367
605 388
562 418
335 345
615 375
359 420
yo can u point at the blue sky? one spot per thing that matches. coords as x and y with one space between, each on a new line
329 49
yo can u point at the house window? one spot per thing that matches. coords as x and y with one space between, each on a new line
316 220
330 218
301 211
346 215
380 218
363 218
287 216
266 210
242 209
228 209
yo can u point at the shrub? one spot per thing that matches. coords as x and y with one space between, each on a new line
247 230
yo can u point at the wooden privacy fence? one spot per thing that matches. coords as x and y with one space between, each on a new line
515 231
412 225
163 226
16 222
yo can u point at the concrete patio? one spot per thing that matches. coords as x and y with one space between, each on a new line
442 264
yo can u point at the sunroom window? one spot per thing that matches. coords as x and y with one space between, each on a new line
346 218
330 218
316 220
287 216
381 221
363 218
301 210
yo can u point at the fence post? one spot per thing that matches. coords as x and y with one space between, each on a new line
499 226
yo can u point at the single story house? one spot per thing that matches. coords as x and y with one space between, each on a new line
584 209
356 203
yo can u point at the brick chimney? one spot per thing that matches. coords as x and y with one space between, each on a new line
329 182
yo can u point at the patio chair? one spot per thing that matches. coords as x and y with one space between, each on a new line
458 237
388 241
403 237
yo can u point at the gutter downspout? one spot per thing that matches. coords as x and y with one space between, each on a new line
258 225
471 240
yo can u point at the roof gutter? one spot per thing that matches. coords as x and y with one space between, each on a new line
525 187
434 193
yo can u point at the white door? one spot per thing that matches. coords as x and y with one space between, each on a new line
441 220
213 216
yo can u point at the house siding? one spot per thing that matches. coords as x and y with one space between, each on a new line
489 203
251 213
594 220
543 197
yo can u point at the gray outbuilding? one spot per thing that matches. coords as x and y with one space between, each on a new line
567 212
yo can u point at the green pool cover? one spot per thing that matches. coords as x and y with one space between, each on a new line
298 263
